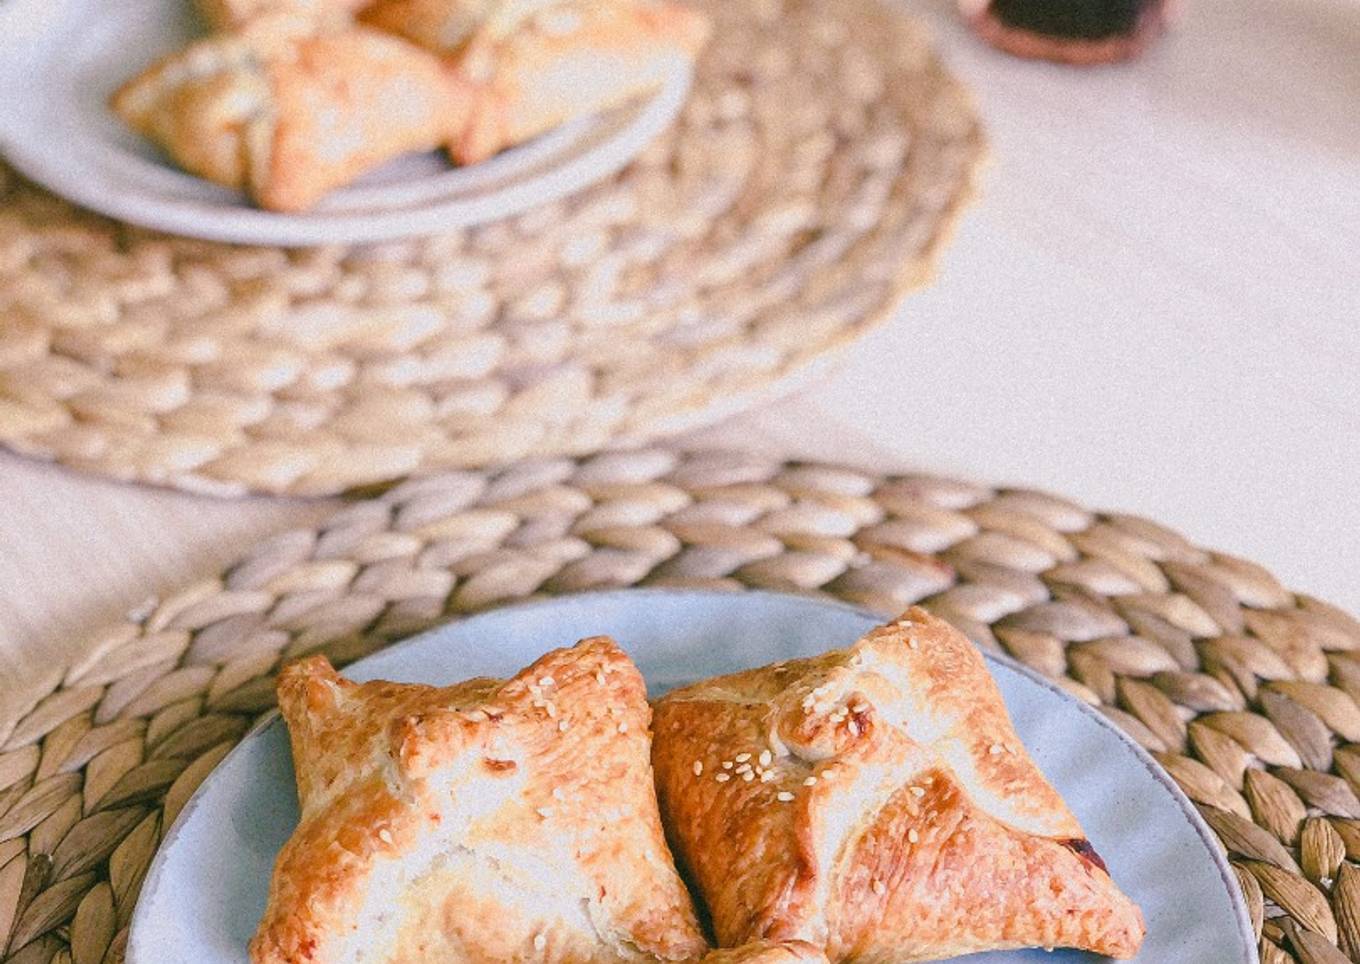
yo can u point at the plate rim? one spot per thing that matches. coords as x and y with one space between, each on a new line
569 169
1183 803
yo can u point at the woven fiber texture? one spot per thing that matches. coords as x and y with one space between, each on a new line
815 172
1245 692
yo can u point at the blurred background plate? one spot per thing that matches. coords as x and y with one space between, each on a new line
65 58
788 210
205 891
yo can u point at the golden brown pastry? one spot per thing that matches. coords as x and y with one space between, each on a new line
768 952
877 802
570 59
231 14
493 820
287 113
445 25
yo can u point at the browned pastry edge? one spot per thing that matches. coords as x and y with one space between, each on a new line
231 14
288 109
803 808
500 820
768 952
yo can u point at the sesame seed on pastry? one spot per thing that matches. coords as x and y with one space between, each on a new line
876 801
493 820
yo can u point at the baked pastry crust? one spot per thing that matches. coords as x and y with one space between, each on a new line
569 59
768 952
287 112
232 14
877 802
492 820
444 26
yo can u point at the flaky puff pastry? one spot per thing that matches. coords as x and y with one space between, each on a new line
768 952
287 112
570 59
876 801
493 820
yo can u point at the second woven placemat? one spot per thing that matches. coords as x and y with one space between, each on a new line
815 171
1244 691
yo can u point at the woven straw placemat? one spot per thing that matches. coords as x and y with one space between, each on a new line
816 170
1245 692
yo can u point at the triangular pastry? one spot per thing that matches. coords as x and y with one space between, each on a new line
492 820
287 112
876 801
768 952
569 59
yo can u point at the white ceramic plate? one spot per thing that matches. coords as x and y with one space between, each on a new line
205 891
63 58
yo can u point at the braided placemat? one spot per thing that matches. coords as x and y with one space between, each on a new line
1244 691
814 174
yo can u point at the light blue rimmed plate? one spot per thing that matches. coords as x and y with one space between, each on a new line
64 58
206 888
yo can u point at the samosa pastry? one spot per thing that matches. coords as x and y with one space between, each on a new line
875 801
287 113
570 59
493 820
